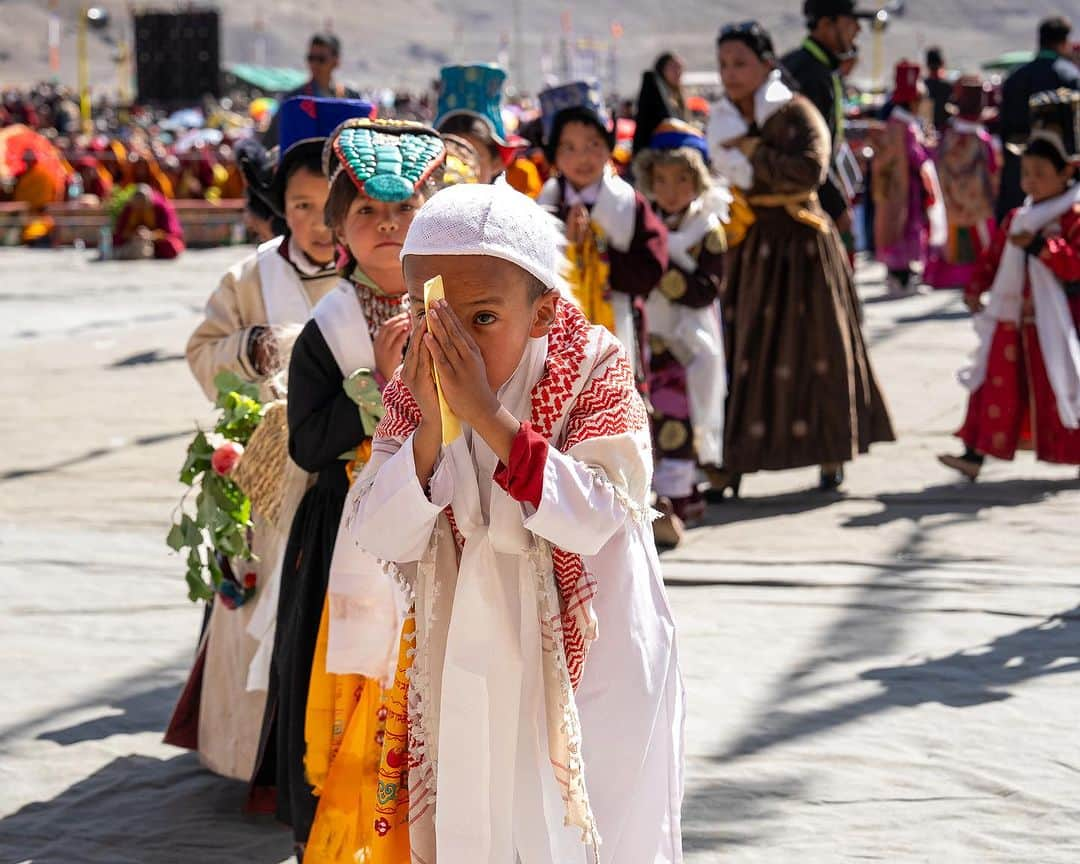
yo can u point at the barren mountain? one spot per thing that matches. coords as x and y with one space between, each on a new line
402 44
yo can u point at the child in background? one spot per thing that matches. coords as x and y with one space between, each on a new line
470 106
616 245
969 168
532 525
380 173
1025 382
687 375
248 328
909 213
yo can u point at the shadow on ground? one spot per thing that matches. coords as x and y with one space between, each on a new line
141 810
719 814
148 711
91 455
963 500
146 358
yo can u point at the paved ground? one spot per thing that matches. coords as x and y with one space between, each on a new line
888 675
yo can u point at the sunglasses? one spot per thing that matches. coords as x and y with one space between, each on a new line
318 58
741 27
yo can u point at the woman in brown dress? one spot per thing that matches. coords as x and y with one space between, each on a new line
801 389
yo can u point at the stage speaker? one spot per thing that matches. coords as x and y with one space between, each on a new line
178 56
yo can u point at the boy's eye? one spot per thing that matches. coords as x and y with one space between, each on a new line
407 208
484 318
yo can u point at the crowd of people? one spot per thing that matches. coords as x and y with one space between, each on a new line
497 361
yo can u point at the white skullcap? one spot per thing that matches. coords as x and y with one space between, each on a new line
493 220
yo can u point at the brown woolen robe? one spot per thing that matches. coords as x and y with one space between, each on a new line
801 387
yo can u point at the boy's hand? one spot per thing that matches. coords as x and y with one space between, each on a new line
747 145
974 303
577 224
263 350
1023 240
416 375
390 344
462 373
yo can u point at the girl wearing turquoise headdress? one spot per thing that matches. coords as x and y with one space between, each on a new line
380 173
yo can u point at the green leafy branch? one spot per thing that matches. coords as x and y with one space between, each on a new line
221 521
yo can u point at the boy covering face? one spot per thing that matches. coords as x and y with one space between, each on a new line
545 648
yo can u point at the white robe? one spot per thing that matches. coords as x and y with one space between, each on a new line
504 806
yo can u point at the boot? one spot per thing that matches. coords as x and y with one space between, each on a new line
668 530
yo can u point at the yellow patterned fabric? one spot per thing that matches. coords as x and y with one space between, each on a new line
390 843
343 730
588 278
331 702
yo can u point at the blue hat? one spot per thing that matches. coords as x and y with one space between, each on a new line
310 118
582 95
305 124
475 91
672 134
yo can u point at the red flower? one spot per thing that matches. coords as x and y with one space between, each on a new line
379 737
249 580
225 457
382 827
381 714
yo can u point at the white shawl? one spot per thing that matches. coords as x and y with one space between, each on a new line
726 123
1053 320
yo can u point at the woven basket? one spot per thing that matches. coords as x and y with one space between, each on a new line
261 470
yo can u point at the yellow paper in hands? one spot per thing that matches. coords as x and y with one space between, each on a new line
451 426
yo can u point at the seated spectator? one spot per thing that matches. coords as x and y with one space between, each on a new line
147 227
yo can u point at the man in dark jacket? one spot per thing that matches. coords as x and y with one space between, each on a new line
833 26
323 57
938 87
1050 70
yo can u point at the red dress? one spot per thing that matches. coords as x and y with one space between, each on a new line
1015 407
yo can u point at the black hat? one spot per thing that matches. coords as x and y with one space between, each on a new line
815 9
1055 120
257 165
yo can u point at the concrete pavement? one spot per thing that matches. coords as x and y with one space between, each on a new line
890 674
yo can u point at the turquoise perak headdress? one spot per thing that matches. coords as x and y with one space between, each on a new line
388 160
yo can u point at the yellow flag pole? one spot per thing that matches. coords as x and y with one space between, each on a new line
84 72
878 49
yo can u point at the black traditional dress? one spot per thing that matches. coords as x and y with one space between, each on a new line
324 426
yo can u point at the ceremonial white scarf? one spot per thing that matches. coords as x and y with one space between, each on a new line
344 327
727 123
1053 319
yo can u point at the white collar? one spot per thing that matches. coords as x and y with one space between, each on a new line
304 265
586 196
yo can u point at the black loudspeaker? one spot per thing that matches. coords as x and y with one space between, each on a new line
178 56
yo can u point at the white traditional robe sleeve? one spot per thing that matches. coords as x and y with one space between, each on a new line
393 517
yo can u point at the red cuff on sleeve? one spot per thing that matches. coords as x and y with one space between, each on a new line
523 478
